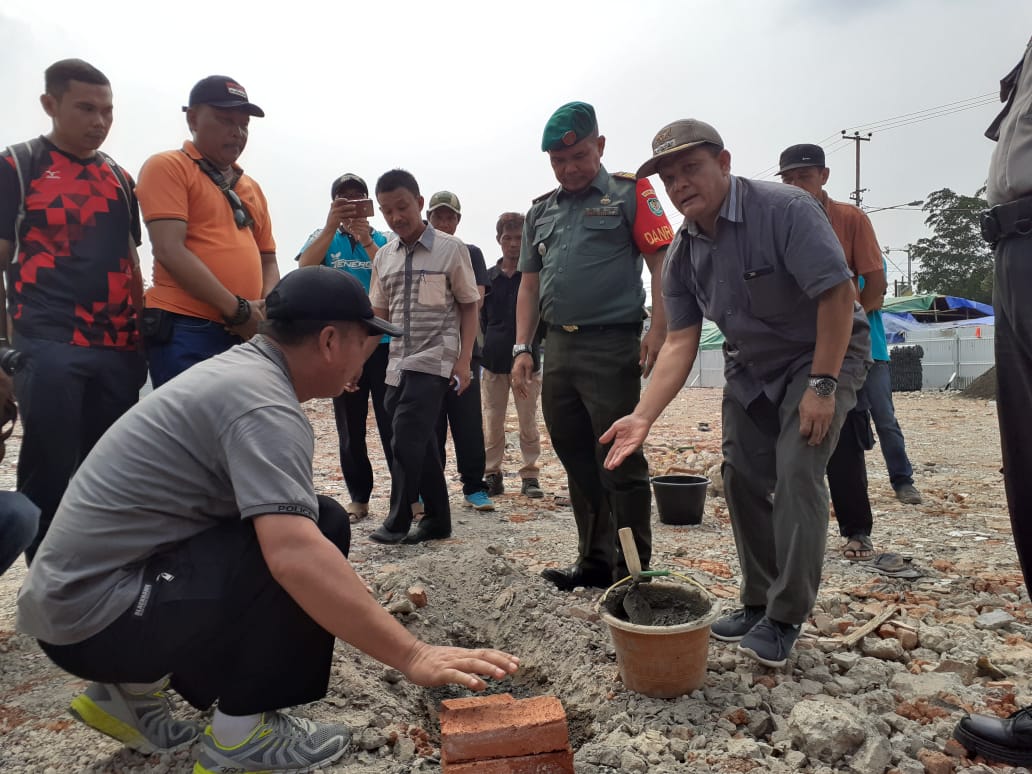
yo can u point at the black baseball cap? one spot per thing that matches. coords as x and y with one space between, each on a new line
322 293
797 156
221 91
348 180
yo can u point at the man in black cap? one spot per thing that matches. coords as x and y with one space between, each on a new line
581 260
762 261
191 551
348 243
210 232
803 166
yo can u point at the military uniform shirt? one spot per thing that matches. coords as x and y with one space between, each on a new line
759 280
587 247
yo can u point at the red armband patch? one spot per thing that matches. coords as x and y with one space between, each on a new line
651 230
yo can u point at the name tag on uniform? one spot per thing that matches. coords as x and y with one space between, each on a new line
601 212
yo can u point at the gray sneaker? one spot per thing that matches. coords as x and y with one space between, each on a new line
280 743
531 488
736 624
142 722
770 642
909 495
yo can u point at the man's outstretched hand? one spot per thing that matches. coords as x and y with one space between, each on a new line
626 434
434 665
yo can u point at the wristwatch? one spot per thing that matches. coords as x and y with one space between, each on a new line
824 386
519 349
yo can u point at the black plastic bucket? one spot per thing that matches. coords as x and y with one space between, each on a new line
681 498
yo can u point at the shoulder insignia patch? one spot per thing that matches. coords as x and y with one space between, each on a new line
625 176
544 196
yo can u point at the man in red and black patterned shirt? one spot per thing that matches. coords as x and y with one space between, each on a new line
73 283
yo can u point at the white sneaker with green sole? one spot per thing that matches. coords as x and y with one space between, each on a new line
142 722
279 744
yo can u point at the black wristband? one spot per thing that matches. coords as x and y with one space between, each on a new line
243 313
823 376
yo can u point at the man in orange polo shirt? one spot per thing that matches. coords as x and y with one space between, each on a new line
209 226
803 166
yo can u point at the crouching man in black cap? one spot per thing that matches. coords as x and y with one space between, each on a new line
191 551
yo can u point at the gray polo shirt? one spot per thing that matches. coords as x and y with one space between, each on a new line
759 280
224 440
1010 170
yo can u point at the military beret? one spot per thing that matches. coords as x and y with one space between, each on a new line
569 125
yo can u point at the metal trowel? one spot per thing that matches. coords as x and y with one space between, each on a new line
637 607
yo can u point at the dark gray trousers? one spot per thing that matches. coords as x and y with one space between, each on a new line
774 483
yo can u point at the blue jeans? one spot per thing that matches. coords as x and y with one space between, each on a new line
193 339
19 519
879 393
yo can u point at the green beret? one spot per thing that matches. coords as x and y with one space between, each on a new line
569 125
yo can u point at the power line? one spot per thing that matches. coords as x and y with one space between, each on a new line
897 122
874 124
930 116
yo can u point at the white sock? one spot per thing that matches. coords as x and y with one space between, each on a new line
231 730
142 689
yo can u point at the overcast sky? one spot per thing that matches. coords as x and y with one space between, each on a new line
458 92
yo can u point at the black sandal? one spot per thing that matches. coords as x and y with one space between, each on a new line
858 548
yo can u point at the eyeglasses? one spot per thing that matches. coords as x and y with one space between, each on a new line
241 216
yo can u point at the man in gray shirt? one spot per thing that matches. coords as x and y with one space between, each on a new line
1008 228
761 260
191 551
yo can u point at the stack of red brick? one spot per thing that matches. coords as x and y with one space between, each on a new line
499 735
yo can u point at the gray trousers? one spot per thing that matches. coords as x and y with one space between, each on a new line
777 497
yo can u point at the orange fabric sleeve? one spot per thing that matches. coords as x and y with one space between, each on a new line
651 228
867 255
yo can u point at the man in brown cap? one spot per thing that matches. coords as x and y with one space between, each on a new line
761 260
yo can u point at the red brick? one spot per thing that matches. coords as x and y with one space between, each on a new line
546 763
501 729
470 702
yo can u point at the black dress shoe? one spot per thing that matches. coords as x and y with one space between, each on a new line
383 535
1007 740
575 575
423 533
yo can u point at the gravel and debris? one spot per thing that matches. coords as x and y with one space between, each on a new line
954 639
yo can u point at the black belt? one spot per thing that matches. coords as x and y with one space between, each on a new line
636 326
1007 220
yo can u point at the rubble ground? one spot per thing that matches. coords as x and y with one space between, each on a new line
953 640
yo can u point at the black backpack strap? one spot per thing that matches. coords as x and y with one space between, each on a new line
23 155
123 182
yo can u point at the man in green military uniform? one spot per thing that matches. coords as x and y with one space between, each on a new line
581 259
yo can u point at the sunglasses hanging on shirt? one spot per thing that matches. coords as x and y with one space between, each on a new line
241 216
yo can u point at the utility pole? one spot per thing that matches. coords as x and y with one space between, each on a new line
857 138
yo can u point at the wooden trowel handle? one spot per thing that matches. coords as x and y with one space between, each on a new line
630 552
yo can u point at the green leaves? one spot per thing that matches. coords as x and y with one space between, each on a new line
955 261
